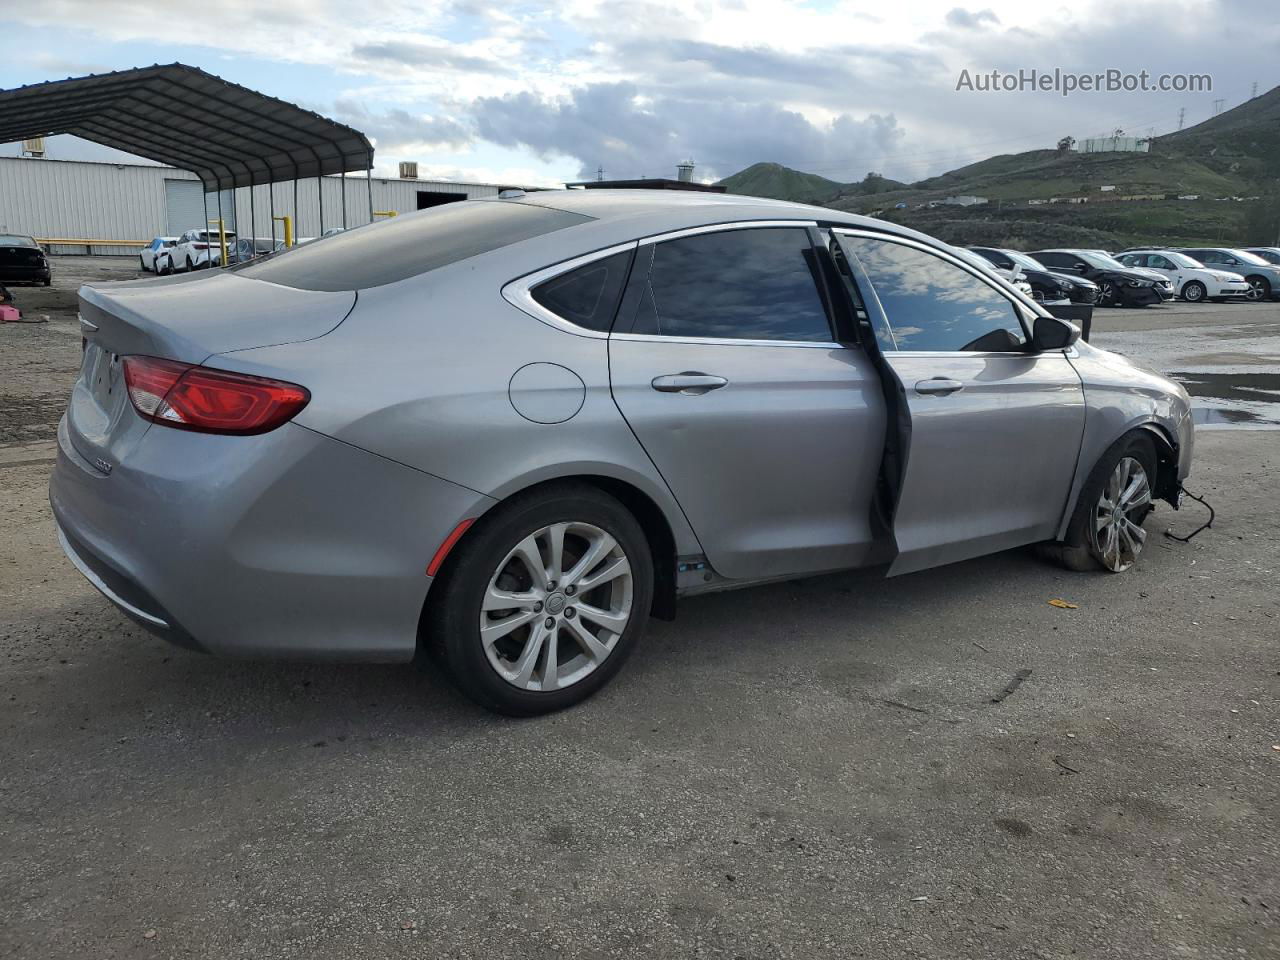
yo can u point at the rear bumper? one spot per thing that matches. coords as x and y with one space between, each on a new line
11 274
288 544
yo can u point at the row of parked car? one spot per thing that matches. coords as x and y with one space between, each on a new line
199 249
1140 276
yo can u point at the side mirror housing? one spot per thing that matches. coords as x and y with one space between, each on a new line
1050 333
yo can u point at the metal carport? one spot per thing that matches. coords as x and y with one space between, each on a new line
228 135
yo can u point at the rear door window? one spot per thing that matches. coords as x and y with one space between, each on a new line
400 247
759 283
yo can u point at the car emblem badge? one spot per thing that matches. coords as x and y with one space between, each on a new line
555 603
102 465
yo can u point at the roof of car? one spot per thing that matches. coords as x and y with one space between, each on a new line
694 206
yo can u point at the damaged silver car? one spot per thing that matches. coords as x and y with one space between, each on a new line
505 433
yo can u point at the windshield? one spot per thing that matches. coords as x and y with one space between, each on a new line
1101 260
18 240
1182 260
1248 257
1022 260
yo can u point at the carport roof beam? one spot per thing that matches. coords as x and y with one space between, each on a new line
228 135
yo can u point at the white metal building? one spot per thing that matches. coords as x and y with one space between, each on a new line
86 201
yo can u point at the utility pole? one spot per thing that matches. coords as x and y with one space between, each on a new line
600 173
1182 112
1217 106
1254 93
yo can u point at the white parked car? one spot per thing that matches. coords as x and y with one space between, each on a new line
147 256
1191 279
197 249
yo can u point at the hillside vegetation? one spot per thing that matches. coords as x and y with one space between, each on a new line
1235 154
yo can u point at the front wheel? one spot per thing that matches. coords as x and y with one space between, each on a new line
542 601
1194 292
1106 293
1106 529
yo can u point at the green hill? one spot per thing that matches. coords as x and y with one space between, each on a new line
776 181
1233 155
782 183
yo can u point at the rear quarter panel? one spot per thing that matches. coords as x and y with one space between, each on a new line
421 371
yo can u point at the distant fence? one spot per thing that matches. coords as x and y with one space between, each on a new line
90 247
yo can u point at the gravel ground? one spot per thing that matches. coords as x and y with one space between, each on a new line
807 770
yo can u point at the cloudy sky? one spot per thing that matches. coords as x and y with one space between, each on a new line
540 93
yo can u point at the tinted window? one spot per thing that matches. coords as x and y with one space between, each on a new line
406 246
1053 259
932 304
587 296
751 284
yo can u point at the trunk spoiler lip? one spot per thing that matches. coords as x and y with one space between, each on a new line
199 332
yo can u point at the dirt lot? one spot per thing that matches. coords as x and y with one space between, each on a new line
808 770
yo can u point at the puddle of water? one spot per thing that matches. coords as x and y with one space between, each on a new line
1233 399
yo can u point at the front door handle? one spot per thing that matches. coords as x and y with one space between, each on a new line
691 383
938 387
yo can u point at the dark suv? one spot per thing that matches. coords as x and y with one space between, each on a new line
1118 285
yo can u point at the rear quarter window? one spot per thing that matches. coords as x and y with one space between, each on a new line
406 246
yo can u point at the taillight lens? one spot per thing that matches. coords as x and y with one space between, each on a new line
209 401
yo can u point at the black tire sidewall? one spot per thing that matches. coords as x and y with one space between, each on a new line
454 627
1195 285
1137 444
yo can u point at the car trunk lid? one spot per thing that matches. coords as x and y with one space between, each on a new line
187 319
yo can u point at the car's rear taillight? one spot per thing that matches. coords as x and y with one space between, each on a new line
209 401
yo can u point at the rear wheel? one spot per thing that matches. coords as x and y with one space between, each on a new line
1106 529
542 601
1194 292
142 265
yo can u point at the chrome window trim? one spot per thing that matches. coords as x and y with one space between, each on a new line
728 341
519 292
723 228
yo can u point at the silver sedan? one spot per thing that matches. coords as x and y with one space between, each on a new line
502 434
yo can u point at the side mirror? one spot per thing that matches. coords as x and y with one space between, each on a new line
1050 333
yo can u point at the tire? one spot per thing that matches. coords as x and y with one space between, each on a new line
1082 550
142 265
508 672
1259 289
1106 293
48 281
1194 291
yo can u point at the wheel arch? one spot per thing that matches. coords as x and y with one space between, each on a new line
1166 481
653 520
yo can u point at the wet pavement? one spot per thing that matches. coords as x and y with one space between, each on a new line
1226 355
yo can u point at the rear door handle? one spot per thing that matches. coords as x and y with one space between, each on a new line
938 387
691 383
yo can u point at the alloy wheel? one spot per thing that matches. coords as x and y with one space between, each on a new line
1106 293
1257 289
556 606
1125 501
